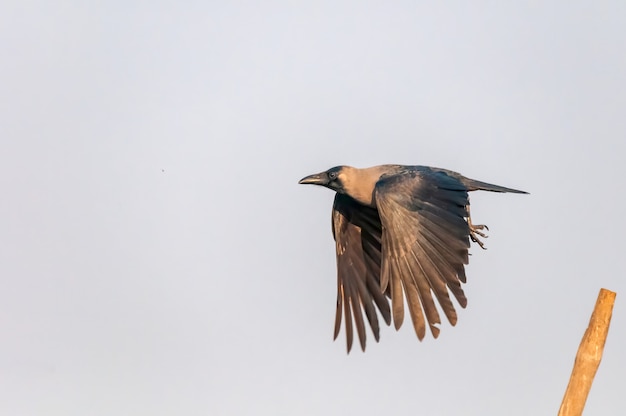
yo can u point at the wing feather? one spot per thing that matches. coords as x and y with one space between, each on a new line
358 236
413 300
348 326
425 241
339 310
397 301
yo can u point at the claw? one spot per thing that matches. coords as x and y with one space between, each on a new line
475 231
476 240
480 233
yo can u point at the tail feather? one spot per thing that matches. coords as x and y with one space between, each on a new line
473 185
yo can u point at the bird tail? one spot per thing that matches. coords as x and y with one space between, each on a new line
473 185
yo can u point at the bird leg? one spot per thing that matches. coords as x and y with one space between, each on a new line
475 230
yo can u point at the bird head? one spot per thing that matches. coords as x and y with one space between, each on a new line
331 179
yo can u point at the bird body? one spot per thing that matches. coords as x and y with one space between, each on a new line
400 231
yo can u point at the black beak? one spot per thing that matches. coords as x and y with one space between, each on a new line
316 179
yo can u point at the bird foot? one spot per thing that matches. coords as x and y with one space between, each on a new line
475 231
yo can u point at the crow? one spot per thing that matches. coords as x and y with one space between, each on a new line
400 231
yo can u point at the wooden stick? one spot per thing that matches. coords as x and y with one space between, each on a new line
589 356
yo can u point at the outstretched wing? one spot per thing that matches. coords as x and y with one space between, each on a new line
425 243
357 233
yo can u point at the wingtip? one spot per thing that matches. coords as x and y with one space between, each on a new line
397 323
435 331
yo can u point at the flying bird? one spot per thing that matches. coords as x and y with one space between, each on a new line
400 231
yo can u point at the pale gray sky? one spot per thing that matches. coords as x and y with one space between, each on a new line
157 256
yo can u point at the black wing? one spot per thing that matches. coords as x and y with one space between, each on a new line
425 243
357 233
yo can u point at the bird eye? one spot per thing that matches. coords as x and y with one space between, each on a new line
332 176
